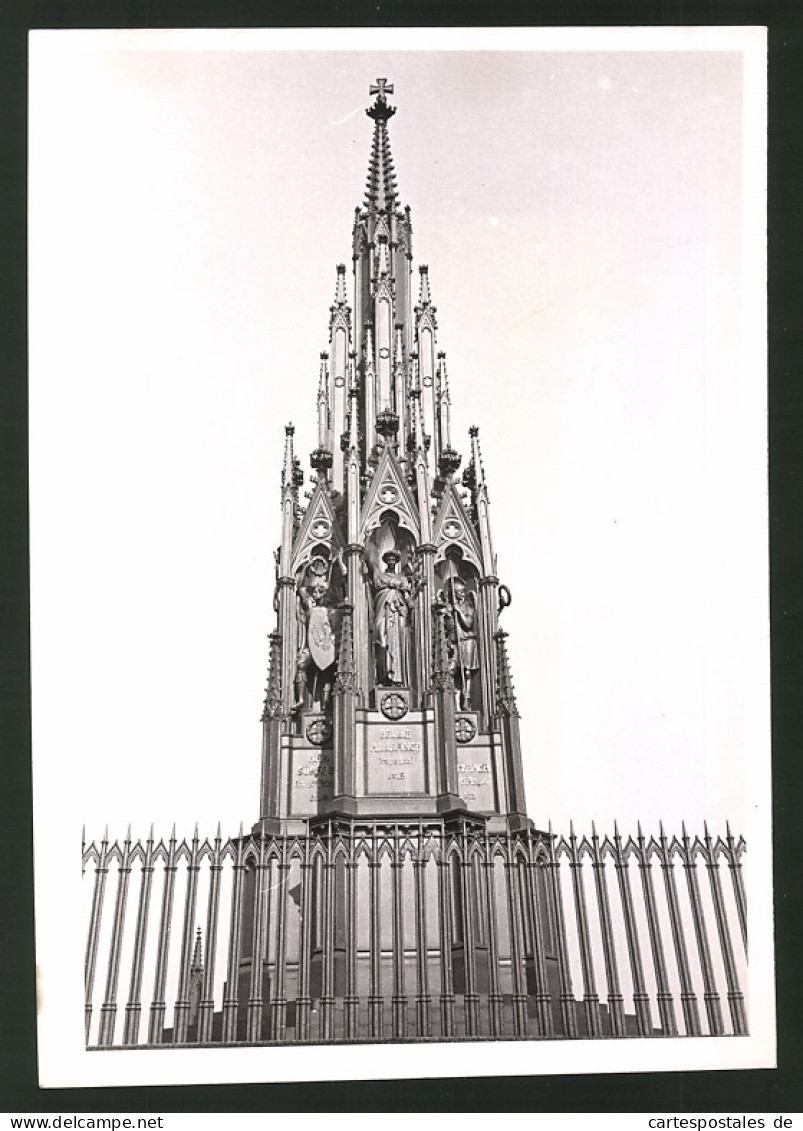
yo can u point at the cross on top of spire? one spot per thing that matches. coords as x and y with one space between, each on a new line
381 87
380 111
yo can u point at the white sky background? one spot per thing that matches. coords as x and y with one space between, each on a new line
582 218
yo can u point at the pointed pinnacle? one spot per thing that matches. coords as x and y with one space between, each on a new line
105 835
128 834
173 833
217 834
150 833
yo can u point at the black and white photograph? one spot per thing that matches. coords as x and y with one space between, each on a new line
398 544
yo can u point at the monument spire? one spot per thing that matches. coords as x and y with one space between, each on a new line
380 190
384 561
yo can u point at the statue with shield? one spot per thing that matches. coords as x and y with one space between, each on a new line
315 663
460 622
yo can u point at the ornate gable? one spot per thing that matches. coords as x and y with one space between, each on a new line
318 526
389 492
453 527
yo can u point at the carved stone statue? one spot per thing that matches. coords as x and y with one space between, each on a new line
393 599
315 662
461 633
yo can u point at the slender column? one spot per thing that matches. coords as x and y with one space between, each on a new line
732 854
279 1003
735 995
641 999
327 987
590 996
351 1001
688 998
207 1005
182 1007
230 1000
304 1002
422 999
666 1005
713 1007
615 999
470 997
345 784
157 1012
487 627
375 1020
133 1009
446 934
519 994
567 1010
255 999
399 1000
91 957
542 998
494 995
108 1011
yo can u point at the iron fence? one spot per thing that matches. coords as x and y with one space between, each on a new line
413 930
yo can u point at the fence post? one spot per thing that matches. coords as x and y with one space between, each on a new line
494 996
735 996
279 1019
543 1002
519 995
422 998
133 1007
688 998
590 996
91 957
157 1012
231 998
182 1007
666 1006
615 999
108 1011
713 1007
641 999
445 933
567 1004
351 1001
399 999
206 1008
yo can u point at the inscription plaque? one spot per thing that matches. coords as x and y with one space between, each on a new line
395 757
474 781
312 780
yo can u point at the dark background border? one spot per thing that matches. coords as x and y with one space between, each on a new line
767 1090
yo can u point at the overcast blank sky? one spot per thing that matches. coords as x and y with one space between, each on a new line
582 218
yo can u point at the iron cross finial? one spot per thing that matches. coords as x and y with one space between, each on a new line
381 87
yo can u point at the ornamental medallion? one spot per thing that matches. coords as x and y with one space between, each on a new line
393 706
464 729
319 732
